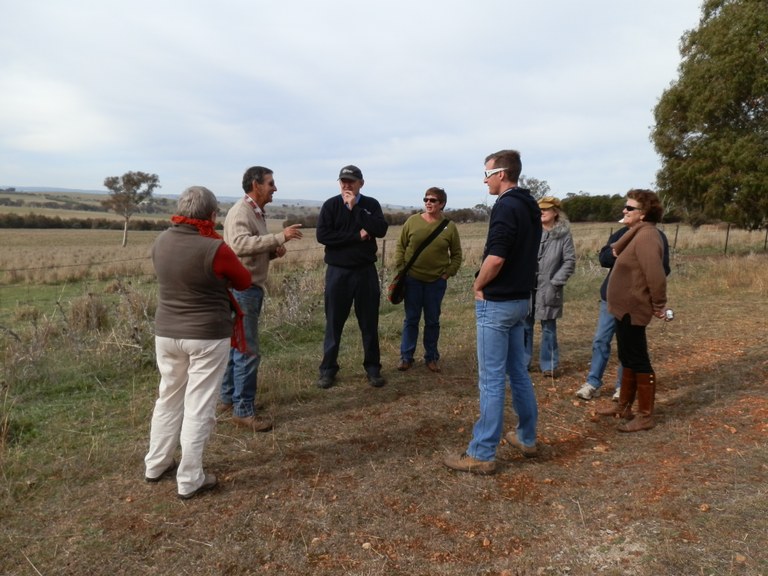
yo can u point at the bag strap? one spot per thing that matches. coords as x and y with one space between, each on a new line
435 233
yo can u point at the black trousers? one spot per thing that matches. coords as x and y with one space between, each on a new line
344 287
633 346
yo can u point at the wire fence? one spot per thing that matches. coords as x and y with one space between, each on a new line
36 275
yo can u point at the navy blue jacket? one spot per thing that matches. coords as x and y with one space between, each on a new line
514 233
338 228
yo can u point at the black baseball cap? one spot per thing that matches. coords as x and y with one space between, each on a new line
350 173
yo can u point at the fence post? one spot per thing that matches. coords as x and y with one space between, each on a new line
765 242
677 231
383 260
727 236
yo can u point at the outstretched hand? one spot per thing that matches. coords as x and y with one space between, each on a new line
292 232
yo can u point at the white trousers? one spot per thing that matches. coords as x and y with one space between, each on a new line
185 412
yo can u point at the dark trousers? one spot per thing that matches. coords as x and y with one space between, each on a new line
343 287
633 346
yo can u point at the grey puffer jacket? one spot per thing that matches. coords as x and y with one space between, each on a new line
557 262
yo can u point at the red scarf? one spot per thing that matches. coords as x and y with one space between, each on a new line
206 228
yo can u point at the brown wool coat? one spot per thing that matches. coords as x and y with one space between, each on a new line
638 284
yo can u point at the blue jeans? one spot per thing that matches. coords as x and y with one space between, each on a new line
426 296
601 347
239 385
501 354
549 351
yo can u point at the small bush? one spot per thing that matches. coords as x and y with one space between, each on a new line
88 313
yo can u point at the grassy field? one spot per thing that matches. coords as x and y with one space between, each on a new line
350 481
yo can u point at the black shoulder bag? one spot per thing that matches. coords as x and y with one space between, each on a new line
396 290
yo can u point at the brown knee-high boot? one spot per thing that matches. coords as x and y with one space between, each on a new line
623 407
646 395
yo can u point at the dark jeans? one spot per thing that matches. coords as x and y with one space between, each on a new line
343 287
426 296
633 346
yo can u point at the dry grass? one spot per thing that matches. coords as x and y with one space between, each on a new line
56 256
351 482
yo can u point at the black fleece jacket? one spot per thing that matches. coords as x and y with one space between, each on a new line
514 233
338 229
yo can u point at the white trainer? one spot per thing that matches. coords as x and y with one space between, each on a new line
616 394
587 392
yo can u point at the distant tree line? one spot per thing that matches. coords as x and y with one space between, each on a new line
156 206
41 221
579 208
462 215
51 204
585 208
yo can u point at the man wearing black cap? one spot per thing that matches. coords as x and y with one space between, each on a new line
348 226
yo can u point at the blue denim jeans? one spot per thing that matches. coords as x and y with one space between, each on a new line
549 351
426 296
240 380
501 354
601 347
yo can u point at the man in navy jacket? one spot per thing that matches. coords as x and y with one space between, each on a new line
348 226
502 288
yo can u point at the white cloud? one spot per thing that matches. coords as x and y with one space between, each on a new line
416 93
40 115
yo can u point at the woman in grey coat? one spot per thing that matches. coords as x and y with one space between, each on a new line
557 261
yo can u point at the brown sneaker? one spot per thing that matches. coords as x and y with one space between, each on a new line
433 366
465 463
405 365
223 411
253 423
527 451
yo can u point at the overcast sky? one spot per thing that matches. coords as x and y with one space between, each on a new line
416 93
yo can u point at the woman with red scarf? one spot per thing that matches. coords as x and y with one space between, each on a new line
194 325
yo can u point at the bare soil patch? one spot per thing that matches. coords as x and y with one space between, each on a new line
351 479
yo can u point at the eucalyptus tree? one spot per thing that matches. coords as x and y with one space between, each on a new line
711 127
127 193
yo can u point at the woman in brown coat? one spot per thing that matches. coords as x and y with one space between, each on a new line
637 291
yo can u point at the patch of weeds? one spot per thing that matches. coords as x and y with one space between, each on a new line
15 431
87 313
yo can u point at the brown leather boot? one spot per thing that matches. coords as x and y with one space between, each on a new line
622 408
646 395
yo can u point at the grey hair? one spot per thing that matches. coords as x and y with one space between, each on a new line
197 202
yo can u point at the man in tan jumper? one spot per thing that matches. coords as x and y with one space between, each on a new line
245 231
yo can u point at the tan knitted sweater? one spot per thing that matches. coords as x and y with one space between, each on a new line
246 233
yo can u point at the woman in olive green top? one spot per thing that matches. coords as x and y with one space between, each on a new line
426 280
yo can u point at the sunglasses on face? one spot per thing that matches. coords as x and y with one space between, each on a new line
629 208
428 200
489 173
